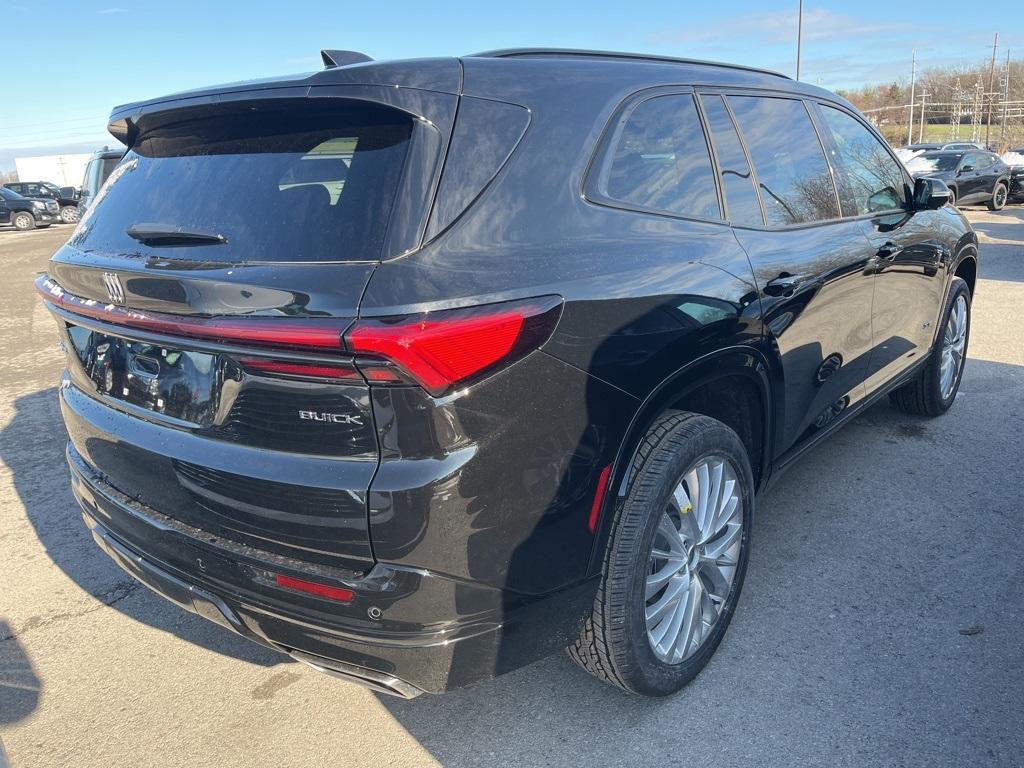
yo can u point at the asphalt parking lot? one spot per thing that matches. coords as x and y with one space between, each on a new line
882 621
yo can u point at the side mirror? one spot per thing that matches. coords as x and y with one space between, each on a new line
965 169
68 193
930 194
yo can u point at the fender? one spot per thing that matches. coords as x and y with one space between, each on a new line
747 361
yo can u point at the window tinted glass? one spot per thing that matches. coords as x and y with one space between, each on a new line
659 160
795 183
869 178
737 181
312 183
984 161
8 194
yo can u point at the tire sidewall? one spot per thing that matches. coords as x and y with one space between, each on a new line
651 675
23 216
996 206
957 289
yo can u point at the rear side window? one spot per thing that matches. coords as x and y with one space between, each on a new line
869 179
310 183
737 180
796 186
658 160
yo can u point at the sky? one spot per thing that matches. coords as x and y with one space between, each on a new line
66 63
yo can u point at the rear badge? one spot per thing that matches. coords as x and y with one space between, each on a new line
115 291
333 418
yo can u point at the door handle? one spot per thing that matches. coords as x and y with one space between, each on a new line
888 251
784 285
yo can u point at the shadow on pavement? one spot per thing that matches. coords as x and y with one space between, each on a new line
32 446
19 686
879 621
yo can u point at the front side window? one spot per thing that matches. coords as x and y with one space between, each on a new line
796 187
869 179
658 160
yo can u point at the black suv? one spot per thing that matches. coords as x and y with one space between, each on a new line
1014 159
99 168
975 176
487 357
65 197
26 213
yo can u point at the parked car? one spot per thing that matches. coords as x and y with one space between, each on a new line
953 145
100 166
66 197
25 213
1014 160
973 177
516 385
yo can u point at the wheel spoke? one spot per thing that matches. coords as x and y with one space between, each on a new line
687 515
689 623
654 613
718 548
672 537
658 580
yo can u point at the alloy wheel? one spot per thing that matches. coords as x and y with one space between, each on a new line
954 340
693 559
22 221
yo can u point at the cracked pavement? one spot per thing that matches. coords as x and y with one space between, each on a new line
881 622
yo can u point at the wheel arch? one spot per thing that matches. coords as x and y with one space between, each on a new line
740 379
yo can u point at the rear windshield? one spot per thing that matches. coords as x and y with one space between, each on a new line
302 184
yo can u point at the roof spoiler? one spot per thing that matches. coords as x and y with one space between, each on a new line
334 59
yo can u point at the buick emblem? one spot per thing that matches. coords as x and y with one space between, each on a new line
114 289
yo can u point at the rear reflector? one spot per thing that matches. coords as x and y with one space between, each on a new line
595 507
439 350
340 594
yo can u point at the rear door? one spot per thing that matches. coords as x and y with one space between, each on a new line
970 178
202 302
908 261
809 263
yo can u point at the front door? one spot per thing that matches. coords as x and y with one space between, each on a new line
907 260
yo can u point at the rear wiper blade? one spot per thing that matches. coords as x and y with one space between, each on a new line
167 235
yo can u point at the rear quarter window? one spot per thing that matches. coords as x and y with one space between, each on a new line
657 160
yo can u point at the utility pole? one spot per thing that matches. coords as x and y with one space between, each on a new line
799 36
991 89
924 102
958 111
913 78
1006 98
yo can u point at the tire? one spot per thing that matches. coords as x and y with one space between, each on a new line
616 644
952 196
68 214
925 394
23 221
998 200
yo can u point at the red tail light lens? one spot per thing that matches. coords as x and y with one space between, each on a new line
340 594
441 349
311 370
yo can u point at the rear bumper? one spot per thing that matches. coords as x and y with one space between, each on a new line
407 630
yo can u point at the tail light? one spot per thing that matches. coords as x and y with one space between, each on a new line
439 350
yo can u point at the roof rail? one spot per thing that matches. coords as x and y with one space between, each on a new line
334 58
508 53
